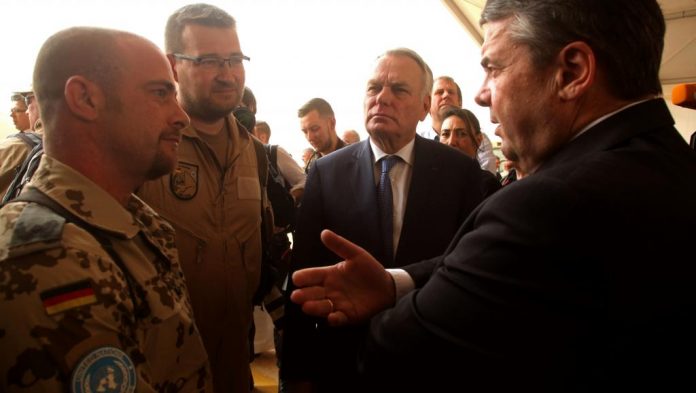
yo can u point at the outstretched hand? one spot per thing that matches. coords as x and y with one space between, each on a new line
348 292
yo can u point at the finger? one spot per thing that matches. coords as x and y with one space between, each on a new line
309 276
337 318
318 308
308 294
340 245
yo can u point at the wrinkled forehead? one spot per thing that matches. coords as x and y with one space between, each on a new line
392 69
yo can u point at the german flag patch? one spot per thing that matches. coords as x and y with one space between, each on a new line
69 296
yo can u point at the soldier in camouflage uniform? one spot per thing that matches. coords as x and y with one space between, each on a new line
92 295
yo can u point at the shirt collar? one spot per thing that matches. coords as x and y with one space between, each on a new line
406 152
608 115
85 199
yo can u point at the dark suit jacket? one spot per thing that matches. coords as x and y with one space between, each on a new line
340 194
580 277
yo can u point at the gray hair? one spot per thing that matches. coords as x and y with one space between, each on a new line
627 36
427 72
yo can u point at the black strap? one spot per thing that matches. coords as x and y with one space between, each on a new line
24 172
30 138
274 156
31 194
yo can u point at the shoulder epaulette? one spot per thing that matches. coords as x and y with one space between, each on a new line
37 228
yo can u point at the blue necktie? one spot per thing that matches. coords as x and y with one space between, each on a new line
386 209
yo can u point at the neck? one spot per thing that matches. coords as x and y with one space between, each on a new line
393 144
108 177
210 128
332 146
437 125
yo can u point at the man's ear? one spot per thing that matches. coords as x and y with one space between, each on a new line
84 98
577 70
172 63
426 107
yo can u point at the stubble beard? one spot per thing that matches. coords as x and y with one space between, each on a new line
204 108
162 165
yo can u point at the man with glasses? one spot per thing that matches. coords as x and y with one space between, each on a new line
214 197
15 148
18 112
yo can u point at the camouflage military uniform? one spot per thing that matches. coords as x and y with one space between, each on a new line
69 319
215 208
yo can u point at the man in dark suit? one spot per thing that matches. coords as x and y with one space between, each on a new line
434 188
579 277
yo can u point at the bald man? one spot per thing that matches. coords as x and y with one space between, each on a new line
91 290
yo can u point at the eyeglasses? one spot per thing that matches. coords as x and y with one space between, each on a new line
212 62
17 110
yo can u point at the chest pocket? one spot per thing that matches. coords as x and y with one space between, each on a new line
248 188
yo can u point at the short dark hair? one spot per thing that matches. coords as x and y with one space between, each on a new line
249 99
88 51
263 128
318 104
196 14
627 36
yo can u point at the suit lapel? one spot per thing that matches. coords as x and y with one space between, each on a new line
361 174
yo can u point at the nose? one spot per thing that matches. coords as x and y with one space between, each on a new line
483 97
384 96
453 140
179 118
229 72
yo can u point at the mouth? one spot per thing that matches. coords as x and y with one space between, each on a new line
174 138
380 117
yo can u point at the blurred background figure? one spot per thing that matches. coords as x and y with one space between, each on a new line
18 112
458 130
262 131
445 92
350 136
249 99
318 124
15 149
307 154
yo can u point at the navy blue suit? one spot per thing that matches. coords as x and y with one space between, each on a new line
580 277
340 195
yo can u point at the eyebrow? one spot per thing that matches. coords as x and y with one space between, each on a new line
161 83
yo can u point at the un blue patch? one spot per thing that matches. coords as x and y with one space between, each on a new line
105 369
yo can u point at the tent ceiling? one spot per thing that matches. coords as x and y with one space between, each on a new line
679 57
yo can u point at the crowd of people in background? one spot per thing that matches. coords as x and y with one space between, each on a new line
135 252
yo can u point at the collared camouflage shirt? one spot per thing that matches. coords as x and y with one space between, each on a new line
70 319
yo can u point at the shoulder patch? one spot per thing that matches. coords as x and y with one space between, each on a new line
36 225
106 369
66 297
184 181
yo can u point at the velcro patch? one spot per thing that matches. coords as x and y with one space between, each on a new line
106 369
66 297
